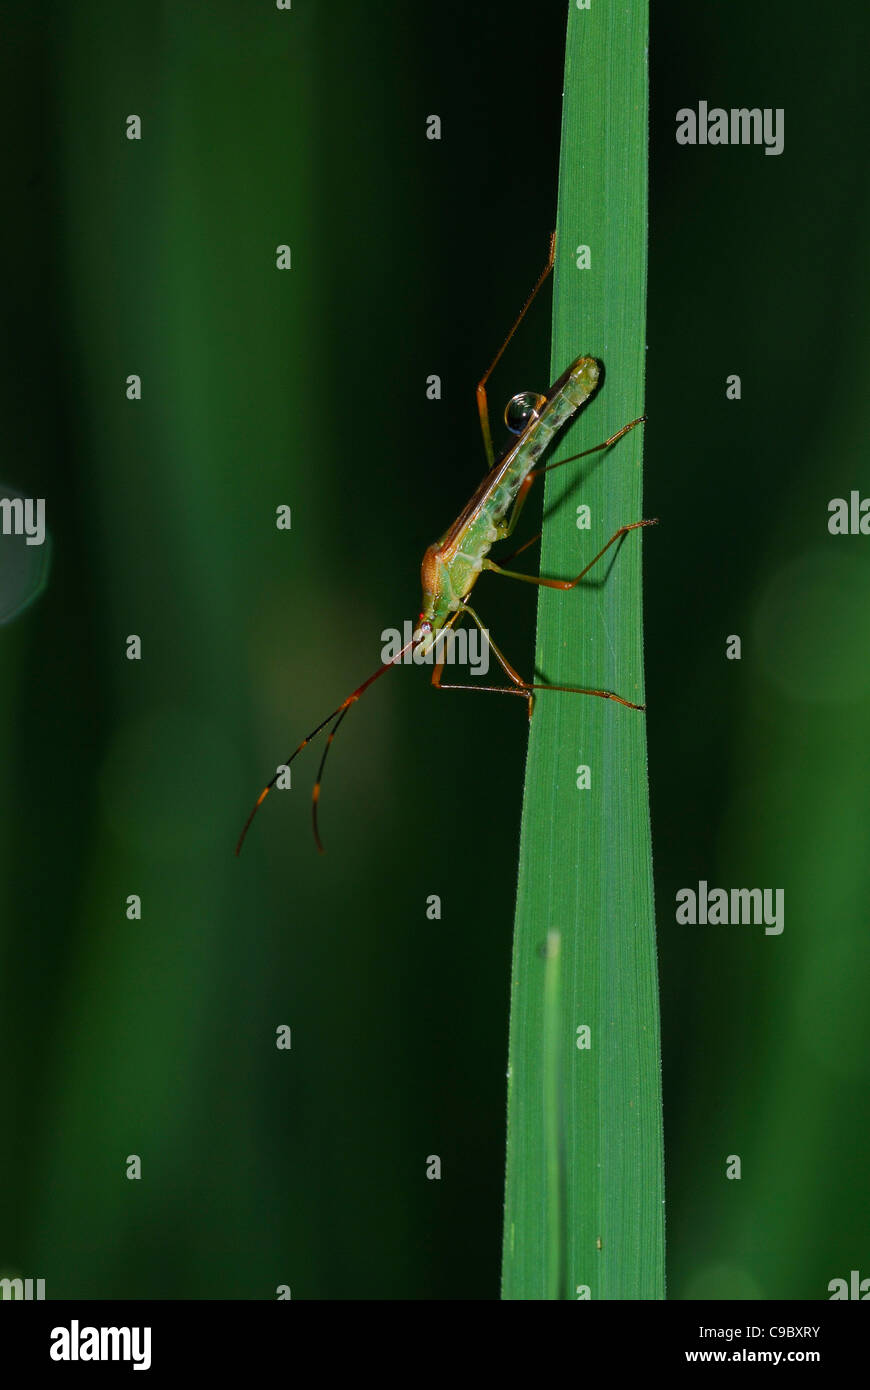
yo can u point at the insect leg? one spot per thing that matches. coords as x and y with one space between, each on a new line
596 448
520 548
482 404
567 583
520 687
507 528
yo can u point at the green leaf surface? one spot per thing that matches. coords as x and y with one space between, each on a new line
584 1194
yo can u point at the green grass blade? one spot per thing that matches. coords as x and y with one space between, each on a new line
584 1196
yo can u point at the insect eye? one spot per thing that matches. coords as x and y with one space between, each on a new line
522 409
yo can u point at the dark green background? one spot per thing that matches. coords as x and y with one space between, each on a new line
307 388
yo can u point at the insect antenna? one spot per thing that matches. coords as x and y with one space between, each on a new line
315 795
337 715
287 761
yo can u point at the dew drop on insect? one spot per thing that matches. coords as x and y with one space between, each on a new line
521 409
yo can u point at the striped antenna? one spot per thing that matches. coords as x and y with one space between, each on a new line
337 715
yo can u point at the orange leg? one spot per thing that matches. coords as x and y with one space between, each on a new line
482 404
567 583
518 686
507 528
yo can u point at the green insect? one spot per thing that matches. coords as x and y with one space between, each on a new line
452 566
